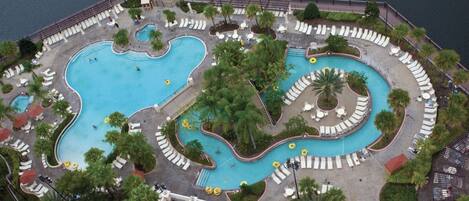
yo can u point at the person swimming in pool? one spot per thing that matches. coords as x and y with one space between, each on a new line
95 127
136 67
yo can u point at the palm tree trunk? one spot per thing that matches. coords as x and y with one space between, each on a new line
213 21
252 139
257 22
226 22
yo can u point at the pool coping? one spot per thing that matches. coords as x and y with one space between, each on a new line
141 28
169 99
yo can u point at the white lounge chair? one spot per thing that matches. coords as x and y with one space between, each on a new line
338 162
349 160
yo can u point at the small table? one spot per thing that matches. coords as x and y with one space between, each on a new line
319 114
426 96
341 111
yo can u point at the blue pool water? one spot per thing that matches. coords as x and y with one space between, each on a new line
113 83
21 103
144 33
230 171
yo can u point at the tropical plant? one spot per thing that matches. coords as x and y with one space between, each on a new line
246 126
386 121
336 43
296 125
308 187
135 13
447 59
143 192
372 10
94 155
460 77
357 81
61 107
155 35
131 182
43 130
121 38
116 119
102 175
75 183
426 50
266 20
35 88
251 12
27 47
8 49
328 84
157 45
193 149
210 12
170 15
400 32
455 114
418 33
398 99
43 146
334 194
273 102
226 11
311 11
6 111
463 198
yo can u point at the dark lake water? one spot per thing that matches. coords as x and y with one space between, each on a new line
446 21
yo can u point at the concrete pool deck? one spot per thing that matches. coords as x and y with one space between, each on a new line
371 172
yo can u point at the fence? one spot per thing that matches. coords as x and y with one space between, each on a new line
73 19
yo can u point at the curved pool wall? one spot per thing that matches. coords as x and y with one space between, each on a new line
124 82
230 171
20 103
143 34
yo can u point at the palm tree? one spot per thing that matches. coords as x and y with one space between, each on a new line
426 50
418 33
170 15
460 77
357 81
43 130
334 194
117 119
266 20
251 12
418 179
210 12
328 84
35 88
227 10
154 34
308 187
447 59
5 111
398 99
385 121
61 108
400 32
246 126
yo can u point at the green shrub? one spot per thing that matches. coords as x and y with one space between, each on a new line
55 135
299 14
336 43
131 4
398 192
121 38
6 88
27 47
197 6
249 192
340 16
311 11
193 149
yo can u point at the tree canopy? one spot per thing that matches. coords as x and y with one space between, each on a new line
311 11
372 10
447 59
121 38
336 43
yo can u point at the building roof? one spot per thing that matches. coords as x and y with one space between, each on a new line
5 133
28 177
35 110
395 163
20 120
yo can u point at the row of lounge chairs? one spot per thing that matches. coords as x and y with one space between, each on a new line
80 27
119 162
193 24
170 152
317 163
37 189
10 72
44 161
20 146
428 123
422 79
360 111
48 77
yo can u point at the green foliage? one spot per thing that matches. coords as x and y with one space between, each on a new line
8 49
418 33
43 130
194 149
116 119
226 11
35 87
132 4
311 11
273 102
6 111
143 192
296 125
43 146
51 159
249 192
463 198
328 84
229 52
341 16
398 192
372 10
447 59
460 77
398 99
101 174
308 187
210 12
426 50
155 38
7 88
400 32
357 81
94 155
135 13
336 43
75 183
170 15
266 20
299 14
60 107
27 47
121 38
251 12
334 194
131 182
196 6
386 121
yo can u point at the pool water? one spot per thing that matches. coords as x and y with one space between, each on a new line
230 171
143 34
21 103
121 82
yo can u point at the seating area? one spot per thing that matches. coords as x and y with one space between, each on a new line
11 72
20 146
37 189
191 24
119 162
170 152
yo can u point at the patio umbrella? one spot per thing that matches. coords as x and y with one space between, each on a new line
28 177
35 110
5 134
20 120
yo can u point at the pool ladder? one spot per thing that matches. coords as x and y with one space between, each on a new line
203 178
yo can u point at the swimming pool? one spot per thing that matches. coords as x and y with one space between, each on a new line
144 33
230 171
21 103
124 83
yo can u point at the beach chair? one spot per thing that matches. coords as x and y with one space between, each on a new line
316 163
355 159
323 163
329 163
338 162
349 160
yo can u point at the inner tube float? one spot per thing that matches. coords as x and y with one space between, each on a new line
217 191
275 88
292 145
313 60
243 183
276 164
185 123
304 152
74 166
167 82
209 190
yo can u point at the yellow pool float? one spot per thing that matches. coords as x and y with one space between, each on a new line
67 164
217 191
292 145
167 82
106 120
209 190
243 183
313 60
185 123
304 152
276 164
